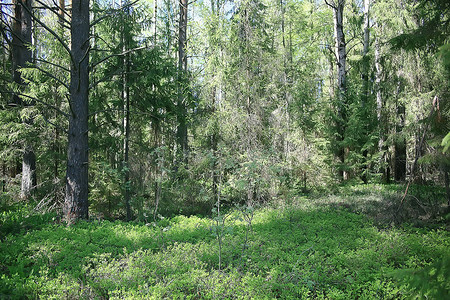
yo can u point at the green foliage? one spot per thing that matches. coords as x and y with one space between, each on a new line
303 251
446 142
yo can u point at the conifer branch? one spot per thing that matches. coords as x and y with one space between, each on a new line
37 100
60 40
93 65
52 64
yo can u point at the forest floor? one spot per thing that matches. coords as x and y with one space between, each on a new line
351 243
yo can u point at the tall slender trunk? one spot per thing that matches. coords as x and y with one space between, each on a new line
341 60
382 148
159 162
365 79
76 200
21 57
56 141
366 45
126 118
3 175
155 22
400 145
126 124
182 139
214 147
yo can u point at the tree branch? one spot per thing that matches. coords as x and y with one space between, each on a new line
37 100
51 76
52 64
54 125
51 32
93 65
331 4
57 8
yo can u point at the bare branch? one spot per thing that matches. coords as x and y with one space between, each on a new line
60 40
331 4
51 76
110 13
55 10
103 79
53 64
54 125
95 22
115 55
124 110
38 101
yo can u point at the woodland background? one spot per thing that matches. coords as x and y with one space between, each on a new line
255 148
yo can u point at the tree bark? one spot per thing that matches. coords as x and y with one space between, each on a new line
400 146
182 139
21 57
365 78
76 200
384 168
125 36
341 60
21 39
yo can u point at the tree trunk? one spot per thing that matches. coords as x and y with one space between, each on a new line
155 23
384 166
125 36
365 78
28 172
127 137
182 139
3 175
400 146
214 141
341 60
21 39
76 200
21 57
447 186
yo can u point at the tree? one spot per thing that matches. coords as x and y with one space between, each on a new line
341 61
76 201
182 138
21 56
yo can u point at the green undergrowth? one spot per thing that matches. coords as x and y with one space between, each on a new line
301 251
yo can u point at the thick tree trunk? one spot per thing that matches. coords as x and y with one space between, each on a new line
76 200
21 40
28 172
341 60
21 57
182 139
400 146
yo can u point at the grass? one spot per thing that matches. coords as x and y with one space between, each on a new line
329 247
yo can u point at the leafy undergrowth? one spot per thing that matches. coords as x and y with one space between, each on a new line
300 251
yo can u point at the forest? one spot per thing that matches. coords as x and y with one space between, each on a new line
224 149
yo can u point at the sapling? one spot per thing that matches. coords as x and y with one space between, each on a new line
247 213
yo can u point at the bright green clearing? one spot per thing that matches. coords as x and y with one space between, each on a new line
318 248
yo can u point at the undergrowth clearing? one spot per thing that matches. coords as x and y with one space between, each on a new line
321 248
